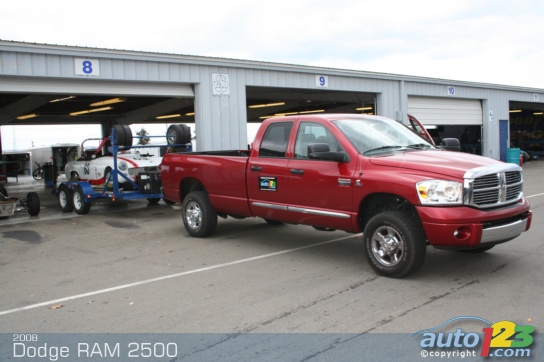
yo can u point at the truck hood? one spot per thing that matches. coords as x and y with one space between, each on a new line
448 163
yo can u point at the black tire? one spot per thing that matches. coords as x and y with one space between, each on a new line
33 203
477 250
78 199
199 217
124 135
168 202
153 200
178 134
66 203
395 243
3 191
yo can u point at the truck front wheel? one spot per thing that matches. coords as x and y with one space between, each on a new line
395 244
199 217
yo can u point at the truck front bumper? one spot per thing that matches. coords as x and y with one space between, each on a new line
466 227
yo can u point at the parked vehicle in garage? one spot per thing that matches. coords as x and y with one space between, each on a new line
122 176
356 173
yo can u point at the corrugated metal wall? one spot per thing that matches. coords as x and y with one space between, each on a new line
221 118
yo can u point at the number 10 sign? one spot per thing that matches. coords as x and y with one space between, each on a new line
87 67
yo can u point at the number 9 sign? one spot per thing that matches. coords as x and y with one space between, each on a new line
321 81
87 67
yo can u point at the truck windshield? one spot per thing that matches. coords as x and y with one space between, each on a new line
380 135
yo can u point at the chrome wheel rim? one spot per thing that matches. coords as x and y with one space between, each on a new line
387 245
193 215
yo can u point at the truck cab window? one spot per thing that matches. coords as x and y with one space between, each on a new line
275 140
309 133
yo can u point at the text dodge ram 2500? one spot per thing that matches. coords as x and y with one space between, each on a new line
355 173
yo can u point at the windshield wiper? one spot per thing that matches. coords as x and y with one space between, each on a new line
419 146
383 148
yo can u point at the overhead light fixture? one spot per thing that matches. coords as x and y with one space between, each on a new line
27 116
168 116
62 99
190 114
108 101
538 113
314 111
267 105
364 109
515 111
90 111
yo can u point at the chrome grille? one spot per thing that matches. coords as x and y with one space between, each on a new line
492 186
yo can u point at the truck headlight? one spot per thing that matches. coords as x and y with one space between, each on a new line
440 192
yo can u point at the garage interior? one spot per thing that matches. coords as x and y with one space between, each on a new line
110 109
527 127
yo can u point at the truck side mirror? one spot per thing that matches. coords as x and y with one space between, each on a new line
450 144
322 151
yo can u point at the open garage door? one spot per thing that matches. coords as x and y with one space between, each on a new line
446 111
450 118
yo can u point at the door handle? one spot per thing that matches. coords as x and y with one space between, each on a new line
297 171
256 168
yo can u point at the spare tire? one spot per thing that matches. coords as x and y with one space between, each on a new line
178 134
123 134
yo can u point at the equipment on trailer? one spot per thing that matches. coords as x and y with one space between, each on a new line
78 195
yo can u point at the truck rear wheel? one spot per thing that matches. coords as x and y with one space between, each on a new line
199 217
395 244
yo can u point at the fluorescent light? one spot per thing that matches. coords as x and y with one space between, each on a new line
27 116
108 101
90 111
314 111
538 113
62 99
364 109
190 114
515 111
168 116
267 105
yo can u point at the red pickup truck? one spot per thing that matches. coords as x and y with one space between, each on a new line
356 173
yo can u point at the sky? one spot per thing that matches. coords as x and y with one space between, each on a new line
488 41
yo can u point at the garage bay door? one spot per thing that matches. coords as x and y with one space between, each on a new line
446 111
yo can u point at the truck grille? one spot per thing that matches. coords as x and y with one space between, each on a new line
501 187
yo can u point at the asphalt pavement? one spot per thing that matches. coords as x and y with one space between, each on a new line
132 267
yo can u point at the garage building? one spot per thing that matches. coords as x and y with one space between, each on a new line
49 84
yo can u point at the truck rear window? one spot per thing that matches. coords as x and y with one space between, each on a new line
275 140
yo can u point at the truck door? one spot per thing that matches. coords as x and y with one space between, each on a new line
321 192
268 176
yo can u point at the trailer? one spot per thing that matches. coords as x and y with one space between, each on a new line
78 195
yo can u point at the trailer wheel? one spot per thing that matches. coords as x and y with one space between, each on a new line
178 134
33 203
199 217
395 245
80 206
65 199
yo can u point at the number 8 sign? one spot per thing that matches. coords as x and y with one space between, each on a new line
87 67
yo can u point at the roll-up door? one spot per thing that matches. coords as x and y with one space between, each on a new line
446 111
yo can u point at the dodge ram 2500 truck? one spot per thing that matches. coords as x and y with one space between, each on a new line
356 173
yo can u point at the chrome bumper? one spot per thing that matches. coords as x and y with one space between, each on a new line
503 232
